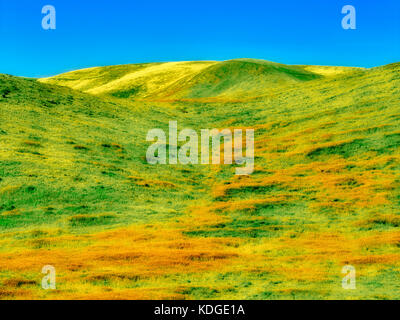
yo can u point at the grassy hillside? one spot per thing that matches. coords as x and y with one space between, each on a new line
76 191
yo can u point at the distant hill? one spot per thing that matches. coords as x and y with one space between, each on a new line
233 79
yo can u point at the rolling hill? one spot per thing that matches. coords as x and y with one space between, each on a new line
77 193
233 79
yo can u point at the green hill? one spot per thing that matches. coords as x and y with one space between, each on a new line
227 80
64 152
240 79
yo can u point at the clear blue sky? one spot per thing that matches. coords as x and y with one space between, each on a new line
92 33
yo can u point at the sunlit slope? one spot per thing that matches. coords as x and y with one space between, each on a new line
227 80
137 80
331 71
76 191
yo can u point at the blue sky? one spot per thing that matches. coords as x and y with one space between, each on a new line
93 33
